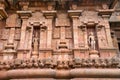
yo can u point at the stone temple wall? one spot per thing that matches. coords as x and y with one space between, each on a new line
58 40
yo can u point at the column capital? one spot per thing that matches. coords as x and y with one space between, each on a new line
105 12
24 14
74 13
49 14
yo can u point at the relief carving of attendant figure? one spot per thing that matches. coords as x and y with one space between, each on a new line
91 41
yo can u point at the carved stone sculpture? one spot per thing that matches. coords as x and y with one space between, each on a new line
59 39
91 41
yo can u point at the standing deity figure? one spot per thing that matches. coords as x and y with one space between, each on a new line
35 42
91 41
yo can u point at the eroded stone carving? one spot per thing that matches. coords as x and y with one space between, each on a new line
91 41
48 63
57 36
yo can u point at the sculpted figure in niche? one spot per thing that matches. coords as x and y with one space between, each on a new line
35 43
91 41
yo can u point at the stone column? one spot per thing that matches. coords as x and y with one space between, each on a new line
74 15
105 14
49 15
24 15
23 31
49 33
75 31
109 51
107 29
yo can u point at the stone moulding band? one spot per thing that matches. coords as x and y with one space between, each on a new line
59 74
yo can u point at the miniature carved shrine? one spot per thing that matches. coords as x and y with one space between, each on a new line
59 39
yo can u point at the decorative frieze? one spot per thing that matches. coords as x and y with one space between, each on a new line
48 63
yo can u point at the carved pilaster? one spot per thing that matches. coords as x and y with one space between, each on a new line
108 50
105 14
43 37
24 15
84 29
74 14
47 52
50 16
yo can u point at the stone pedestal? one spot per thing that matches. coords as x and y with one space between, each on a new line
93 54
74 14
34 54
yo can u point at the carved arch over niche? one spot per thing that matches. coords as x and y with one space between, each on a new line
37 19
37 16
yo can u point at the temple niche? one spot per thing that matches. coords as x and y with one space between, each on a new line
94 33
59 40
36 34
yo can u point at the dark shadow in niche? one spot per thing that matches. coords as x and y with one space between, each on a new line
119 46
